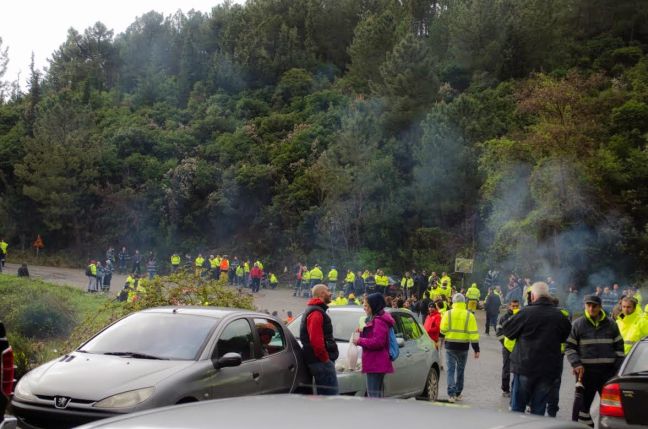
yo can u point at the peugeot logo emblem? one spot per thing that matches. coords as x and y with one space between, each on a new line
61 402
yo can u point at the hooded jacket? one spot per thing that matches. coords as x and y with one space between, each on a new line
374 341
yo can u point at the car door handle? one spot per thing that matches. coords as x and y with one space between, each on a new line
291 368
255 376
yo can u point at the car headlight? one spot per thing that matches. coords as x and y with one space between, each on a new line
23 391
126 399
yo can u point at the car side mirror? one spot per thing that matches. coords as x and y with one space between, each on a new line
400 342
228 360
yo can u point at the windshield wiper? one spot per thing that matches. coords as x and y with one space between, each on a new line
135 355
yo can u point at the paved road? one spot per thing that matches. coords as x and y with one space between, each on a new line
482 386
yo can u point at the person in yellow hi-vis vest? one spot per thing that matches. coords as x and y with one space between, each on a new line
459 329
382 282
198 264
473 294
175 262
507 346
632 325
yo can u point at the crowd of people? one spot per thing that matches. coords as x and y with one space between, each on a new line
535 332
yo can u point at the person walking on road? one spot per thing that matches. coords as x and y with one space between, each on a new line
492 306
374 340
536 361
595 351
318 344
432 323
459 328
473 294
507 346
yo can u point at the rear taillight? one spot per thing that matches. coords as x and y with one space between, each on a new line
611 401
7 371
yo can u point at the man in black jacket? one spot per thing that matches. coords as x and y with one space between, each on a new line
492 306
536 360
595 351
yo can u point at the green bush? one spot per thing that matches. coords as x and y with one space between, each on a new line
40 320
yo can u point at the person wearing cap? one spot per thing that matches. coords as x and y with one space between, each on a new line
536 361
459 329
595 351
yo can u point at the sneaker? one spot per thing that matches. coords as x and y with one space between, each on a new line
451 399
459 398
506 394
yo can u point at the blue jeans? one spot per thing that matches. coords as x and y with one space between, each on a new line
375 385
326 381
532 390
456 362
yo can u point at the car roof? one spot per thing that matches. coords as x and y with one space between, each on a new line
215 312
342 411
360 309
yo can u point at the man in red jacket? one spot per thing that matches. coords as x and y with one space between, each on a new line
318 345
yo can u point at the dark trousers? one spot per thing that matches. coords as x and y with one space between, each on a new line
491 320
326 382
554 395
532 390
255 284
594 378
506 370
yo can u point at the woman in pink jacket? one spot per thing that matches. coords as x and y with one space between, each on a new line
374 340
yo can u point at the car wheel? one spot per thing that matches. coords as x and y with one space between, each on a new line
431 391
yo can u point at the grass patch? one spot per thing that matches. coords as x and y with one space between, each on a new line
40 317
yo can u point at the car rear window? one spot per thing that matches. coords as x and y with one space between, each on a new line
638 362
162 335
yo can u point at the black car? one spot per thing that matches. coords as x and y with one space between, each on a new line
624 400
6 379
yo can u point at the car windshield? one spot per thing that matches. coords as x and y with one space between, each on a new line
154 336
638 361
344 324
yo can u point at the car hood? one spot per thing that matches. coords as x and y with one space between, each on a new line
95 377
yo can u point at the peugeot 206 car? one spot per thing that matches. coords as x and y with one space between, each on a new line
417 366
158 357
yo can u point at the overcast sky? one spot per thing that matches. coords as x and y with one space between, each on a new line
41 25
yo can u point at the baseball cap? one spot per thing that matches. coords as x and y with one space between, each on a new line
592 299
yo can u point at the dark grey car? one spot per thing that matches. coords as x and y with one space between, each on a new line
339 412
159 357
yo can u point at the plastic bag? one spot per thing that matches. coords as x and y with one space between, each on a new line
352 353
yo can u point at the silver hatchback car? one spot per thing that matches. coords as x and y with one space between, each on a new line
416 371
158 357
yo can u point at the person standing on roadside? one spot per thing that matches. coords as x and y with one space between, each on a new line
536 361
123 257
507 347
3 253
492 306
432 323
374 340
459 328
595 351
318 345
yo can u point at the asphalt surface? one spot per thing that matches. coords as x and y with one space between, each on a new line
482 376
